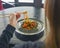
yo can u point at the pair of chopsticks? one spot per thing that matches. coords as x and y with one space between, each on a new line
7 15
4 15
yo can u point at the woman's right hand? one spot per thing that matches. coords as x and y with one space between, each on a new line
13 18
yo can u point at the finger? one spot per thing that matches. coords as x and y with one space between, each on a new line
18 15
12 16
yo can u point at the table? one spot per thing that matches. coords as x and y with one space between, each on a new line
32 12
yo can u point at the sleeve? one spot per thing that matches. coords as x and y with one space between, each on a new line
6 36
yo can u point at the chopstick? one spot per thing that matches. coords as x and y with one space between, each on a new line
7 15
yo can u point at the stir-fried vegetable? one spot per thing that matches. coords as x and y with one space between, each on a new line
29 25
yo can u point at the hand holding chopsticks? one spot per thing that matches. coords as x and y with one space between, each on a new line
15 16
13 19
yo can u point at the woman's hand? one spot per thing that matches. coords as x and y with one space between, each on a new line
13 19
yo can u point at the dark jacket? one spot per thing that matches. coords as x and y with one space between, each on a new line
8 34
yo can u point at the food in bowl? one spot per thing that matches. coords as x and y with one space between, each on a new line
29 25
